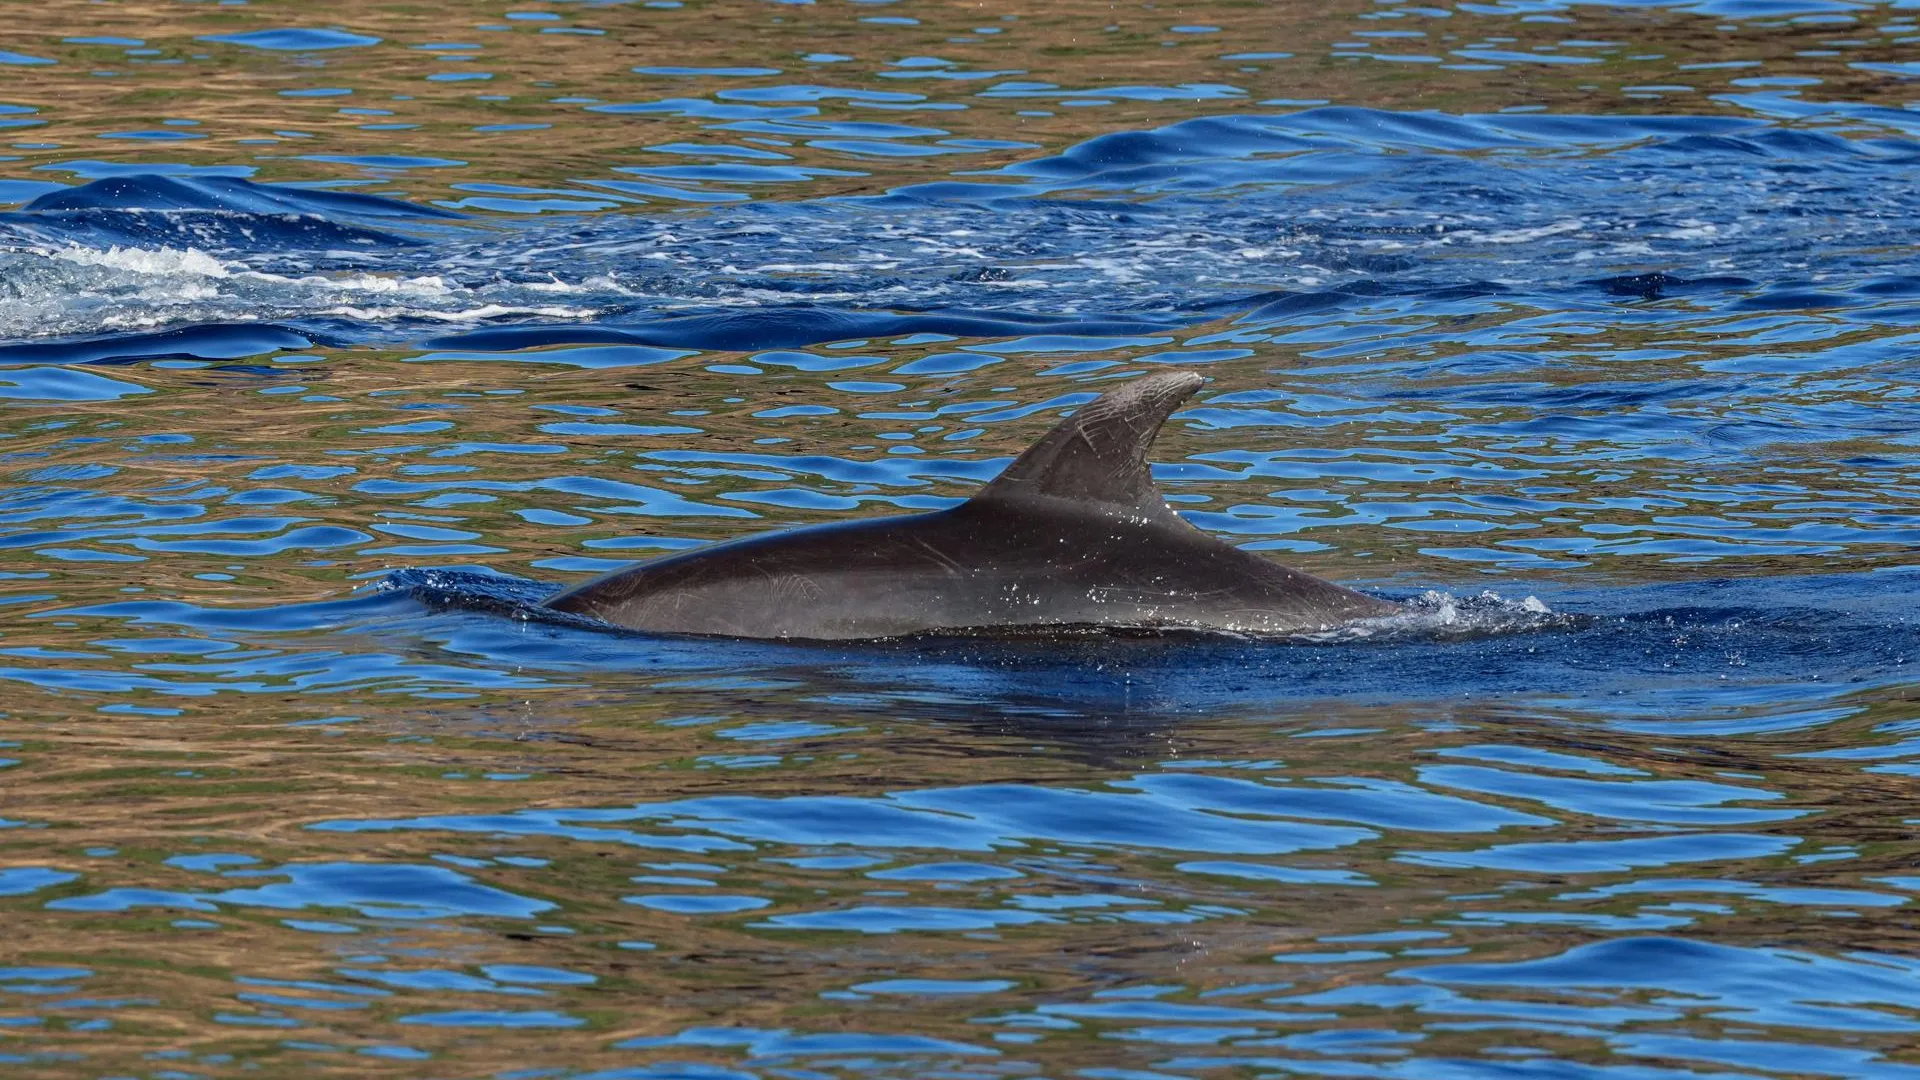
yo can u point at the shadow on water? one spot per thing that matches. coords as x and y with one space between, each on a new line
1679 648
1673 647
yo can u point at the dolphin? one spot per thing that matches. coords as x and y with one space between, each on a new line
1071 536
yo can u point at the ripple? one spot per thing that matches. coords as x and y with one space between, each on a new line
1766 986
21 880
698 905
376 891
295 39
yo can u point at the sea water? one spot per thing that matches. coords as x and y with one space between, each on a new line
333 337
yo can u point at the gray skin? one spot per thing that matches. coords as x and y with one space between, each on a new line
1071 535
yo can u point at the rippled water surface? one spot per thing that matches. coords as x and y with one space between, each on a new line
332 335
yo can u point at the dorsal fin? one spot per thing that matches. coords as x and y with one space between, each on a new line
1099 454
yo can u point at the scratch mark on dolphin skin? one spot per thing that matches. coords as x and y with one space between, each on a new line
953 568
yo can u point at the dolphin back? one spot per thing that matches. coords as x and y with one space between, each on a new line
1072 533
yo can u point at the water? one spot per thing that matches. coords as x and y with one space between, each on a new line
331 340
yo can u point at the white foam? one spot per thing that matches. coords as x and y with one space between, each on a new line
478 314
169 261
371 283
1521 236
1436 613
69 290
